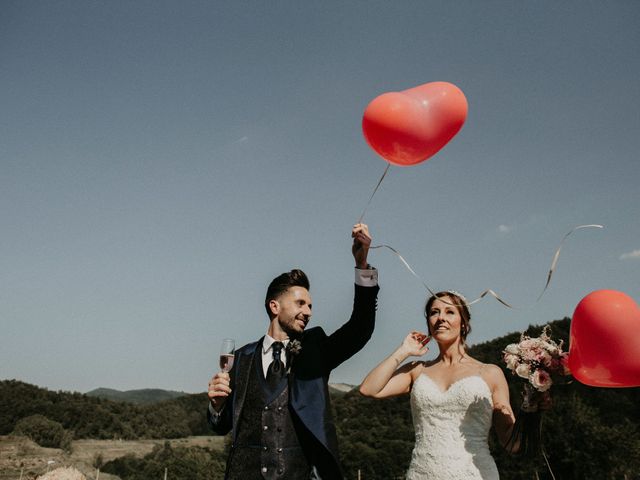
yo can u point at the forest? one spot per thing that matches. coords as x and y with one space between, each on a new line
589 433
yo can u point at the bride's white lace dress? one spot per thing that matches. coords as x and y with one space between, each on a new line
452 428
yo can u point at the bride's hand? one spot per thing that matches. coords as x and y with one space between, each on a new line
415 343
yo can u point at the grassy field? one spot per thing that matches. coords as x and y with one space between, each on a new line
19 454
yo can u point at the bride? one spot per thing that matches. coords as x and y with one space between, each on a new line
455 399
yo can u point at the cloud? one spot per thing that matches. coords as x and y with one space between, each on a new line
504 228
240 140
631 255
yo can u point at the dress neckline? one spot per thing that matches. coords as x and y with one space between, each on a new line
444 392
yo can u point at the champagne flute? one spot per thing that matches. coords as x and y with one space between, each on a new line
227 351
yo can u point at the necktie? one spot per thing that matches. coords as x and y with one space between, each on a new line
275 373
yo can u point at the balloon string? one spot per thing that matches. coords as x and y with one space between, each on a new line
490 291
548 465
374 192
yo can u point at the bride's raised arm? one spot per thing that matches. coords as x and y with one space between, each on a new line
388 379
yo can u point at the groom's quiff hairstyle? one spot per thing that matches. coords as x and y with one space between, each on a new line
284 281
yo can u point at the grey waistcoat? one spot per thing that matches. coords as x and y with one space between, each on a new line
267 445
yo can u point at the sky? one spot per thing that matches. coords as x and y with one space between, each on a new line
162 161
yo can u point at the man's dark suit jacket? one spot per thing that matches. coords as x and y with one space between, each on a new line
308 381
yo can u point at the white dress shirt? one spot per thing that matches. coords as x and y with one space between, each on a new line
267 353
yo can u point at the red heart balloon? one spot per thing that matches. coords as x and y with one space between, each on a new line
408 127
605 340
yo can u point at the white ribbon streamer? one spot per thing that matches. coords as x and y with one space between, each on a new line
490 291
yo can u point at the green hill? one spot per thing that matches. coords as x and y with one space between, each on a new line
142 396
94 417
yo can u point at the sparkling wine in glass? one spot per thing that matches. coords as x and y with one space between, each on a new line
227 351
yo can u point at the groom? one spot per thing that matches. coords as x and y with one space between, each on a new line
276 398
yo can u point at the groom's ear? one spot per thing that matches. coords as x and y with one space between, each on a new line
274 307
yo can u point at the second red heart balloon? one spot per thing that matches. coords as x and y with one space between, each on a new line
604 347
408 127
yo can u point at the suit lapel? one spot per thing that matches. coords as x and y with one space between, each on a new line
244 369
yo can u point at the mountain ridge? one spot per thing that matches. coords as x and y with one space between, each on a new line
140 396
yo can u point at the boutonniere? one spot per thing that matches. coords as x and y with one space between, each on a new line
294 347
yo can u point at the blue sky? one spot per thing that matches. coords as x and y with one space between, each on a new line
162 161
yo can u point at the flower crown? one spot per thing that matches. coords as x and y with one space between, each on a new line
458 294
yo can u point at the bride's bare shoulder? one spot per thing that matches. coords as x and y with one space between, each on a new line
493 374
418 366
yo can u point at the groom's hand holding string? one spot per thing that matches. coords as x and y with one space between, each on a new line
361 244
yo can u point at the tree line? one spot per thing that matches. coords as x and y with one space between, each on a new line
97 418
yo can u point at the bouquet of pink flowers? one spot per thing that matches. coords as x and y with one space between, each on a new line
539 360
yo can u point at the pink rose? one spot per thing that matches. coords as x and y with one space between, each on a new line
541 380
544 358
531 354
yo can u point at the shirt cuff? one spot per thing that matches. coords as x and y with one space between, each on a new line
367 278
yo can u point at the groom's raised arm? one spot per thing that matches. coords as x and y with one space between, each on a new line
353 335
